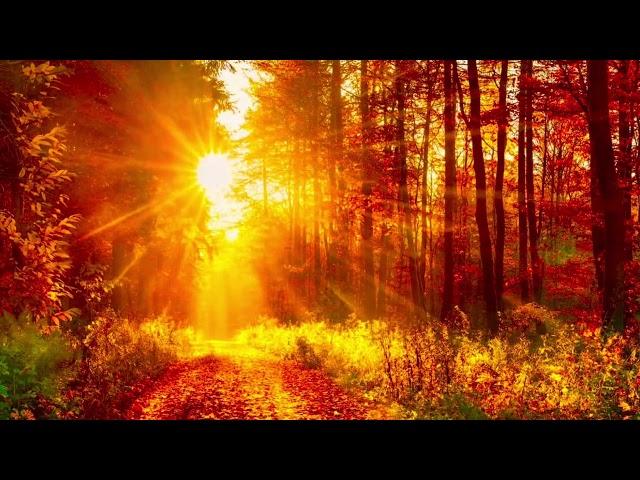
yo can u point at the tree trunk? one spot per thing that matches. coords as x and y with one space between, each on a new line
383 272
624 154
422 270
531 203
522 209
315 125
497 197
488 281
369 292
545 161
450 193
297 231
405 213
603 161
336 247
597 227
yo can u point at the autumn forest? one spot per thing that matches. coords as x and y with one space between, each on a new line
320 239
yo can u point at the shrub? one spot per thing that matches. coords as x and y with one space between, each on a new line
434 372
119 357
349 352
528 319
306 355
31 369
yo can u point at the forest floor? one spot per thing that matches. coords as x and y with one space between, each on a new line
228 381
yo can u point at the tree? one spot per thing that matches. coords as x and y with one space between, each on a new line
503 123
522 208
334 263
426 145
604 167
624 150
314 84
536 268
38 225
369 295
450 193
486 256
403 192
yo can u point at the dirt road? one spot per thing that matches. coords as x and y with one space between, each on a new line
237 382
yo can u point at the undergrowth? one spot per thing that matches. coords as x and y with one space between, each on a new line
119 356
91 372
33 367
536 368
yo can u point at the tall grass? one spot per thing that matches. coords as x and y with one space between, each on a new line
118 357
83 373
537 367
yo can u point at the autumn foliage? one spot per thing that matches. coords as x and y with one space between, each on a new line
436 372
386 238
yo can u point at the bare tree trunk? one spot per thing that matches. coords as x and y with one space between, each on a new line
603 161
464 238
522 209
450 193
488 281
315 123
498 202
297 232
369 292
423 198
383 272
336 248
597 227
554 200
432 293
531 202
545 161
386 253
401 155
624 154
303 227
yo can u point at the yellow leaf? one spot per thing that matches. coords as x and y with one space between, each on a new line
555 377
625 406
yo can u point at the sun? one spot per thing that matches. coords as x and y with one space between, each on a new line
215 175
231 234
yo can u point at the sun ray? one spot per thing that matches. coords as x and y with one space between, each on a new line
114 162
136 257
144 211
169 125
341 296
184 250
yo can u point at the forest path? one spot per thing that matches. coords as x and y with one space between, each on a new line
235 381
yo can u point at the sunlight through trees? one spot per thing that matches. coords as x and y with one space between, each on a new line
420 238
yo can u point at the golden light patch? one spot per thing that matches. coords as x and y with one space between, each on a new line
215 175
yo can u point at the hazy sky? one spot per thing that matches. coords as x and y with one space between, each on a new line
237 84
